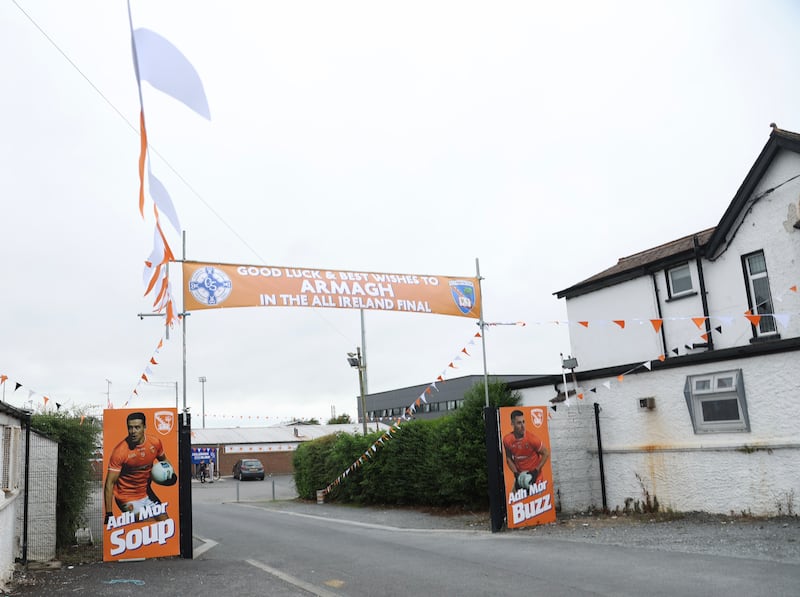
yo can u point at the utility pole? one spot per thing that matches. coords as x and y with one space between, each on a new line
202 380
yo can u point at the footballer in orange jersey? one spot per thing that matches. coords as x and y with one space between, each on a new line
129 468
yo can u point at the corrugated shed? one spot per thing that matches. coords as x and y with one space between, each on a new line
269 435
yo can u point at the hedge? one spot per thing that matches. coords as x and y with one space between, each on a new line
439 462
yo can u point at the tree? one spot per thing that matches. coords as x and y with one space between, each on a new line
77 439
342 419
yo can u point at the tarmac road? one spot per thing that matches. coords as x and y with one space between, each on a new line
768 548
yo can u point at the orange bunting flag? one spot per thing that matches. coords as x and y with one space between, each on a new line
452 366
754 319
45 400
662 357
699 321
3 378
704 337
477 335
580 396
464 350
153 360
144 377
620 323
82 418
793 288
620 377
584 323
657 323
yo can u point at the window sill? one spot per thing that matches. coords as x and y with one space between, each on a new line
681 296
769 338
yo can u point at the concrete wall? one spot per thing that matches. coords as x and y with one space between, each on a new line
657 453
576 472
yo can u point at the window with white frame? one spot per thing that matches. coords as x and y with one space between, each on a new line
679 280
717 402
758 293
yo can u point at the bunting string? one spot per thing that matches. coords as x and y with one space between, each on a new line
160 63
144 377
715 320
34 396
408 414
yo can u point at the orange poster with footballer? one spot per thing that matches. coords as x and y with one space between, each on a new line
140 484
527 473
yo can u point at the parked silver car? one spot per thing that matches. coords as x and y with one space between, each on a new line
248 468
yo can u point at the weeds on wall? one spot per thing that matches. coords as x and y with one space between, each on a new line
647 505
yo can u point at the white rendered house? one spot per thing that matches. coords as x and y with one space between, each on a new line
691 352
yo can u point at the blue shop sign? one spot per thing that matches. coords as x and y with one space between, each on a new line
204 455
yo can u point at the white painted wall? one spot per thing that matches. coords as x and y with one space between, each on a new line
7 521
767 227
604 343
709 472
657 450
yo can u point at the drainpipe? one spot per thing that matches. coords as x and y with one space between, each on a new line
660 316
701 278
600 456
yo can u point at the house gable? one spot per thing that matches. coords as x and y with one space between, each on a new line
707 243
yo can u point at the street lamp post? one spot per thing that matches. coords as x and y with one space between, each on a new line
202 380
357 362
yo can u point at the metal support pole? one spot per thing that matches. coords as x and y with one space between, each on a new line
202 380
364 352
497 509
183 320
482 325
361 389
26 496
185 484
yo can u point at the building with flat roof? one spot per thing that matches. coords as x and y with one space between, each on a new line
444 396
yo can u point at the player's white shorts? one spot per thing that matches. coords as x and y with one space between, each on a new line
137 505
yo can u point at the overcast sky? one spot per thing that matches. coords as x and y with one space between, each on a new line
544 139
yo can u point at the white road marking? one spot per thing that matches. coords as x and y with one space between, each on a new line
314 590
357 523
207 544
